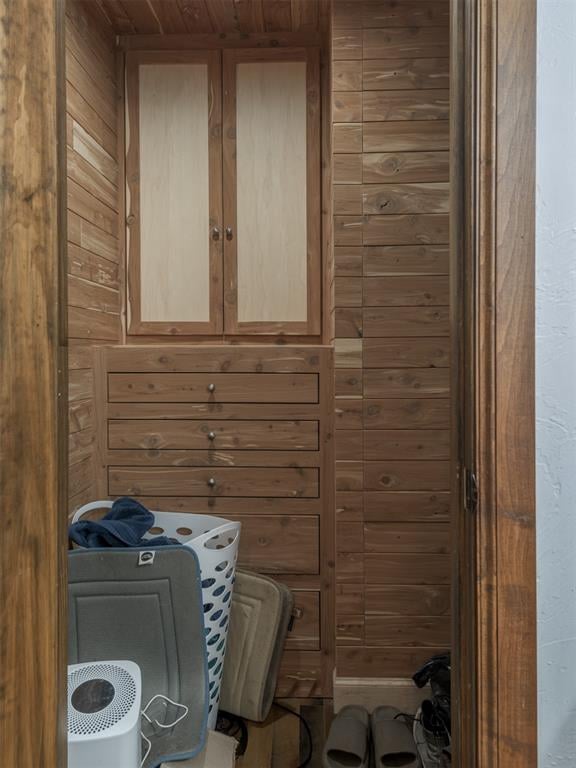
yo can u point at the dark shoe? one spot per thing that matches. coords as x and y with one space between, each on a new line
430 735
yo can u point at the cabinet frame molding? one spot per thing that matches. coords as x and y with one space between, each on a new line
312 325
135 324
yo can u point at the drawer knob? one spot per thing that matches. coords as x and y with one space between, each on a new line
211 387
211 435
211 482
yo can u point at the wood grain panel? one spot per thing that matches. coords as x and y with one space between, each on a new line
405 260
347 169
412 290
406 321
408 506
348 291
348 322
433 538
346 138
405 198
349 504
398 74
301 675
347 75
406 43
391 231
32 386
349 598
278 544
408 13
404 230
414 569
418 413
406 444
346 107
236 435
350 630
349 536
406 353
231 507
347 199
228 481
410 475
390 662
406 631
230 387
348 353
387 167
407 600
348 413
406 382
411 105
348 261
347 44
226 359
212 411
305 633
406 136
211 457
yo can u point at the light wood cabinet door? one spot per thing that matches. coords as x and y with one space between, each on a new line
174 192
272 191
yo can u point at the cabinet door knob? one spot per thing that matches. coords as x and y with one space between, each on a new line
215 233
211 387
229 233
211 435
211 482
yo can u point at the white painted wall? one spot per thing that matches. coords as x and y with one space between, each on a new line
556 381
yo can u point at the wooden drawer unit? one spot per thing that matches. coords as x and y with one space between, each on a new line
213 387
243 432
235 435
291 482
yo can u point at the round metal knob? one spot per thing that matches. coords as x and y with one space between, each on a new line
211 435
211 482
211 387
215 233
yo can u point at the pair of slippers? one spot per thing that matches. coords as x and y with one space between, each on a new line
349 744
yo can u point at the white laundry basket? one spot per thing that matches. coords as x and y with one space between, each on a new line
215 541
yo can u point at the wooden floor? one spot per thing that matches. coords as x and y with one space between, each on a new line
281 742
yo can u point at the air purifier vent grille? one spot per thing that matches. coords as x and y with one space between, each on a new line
99 696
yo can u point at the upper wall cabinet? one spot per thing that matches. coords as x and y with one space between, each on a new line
174 192
223 192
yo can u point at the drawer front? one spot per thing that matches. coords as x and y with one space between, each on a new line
305 633
279 482
279 544
213 387
218 434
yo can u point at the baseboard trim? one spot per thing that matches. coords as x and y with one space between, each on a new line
372 692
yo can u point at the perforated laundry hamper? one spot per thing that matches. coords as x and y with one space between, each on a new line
215 542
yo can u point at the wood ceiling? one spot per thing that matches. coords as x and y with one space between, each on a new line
145 17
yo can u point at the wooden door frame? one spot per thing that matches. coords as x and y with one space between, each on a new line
33 385
493 261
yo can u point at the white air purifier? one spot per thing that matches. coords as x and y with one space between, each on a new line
104 702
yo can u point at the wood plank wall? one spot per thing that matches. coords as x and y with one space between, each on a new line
93 246
391 173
